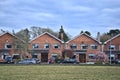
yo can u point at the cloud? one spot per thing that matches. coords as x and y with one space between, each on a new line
75 15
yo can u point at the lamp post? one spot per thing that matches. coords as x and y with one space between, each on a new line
110 51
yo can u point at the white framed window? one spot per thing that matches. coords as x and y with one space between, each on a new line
93 46
16 56
46 46
112 56
119 47
73 46
84 46
35 46
54 56
91 56
56 46
112 47
35 55
8 46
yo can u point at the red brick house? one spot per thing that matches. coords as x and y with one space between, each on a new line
9 45
113 46
84 47
45 46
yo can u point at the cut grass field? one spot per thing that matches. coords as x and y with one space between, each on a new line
51 72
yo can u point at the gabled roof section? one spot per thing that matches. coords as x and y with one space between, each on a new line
49 35
12 35
85 35
111 39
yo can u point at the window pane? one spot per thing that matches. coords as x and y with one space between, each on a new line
8 46
34 56
119 47
54 56
112 47
47 46
73 46
56 46
84 46
35 45
93 46
91 56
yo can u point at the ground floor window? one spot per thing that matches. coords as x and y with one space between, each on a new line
74 56
4 55
16 56
54 56
112 56
35 56
91 56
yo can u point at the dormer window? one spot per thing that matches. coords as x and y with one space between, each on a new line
8 46
73 46
84 46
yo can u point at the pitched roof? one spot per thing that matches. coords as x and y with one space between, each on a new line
49 35
12 35
85 35
111 39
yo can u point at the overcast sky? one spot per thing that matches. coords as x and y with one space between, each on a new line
75 15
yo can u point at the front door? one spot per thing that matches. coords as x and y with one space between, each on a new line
118 56
82 58
44 57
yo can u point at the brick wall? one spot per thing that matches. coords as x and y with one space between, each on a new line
83 39
115 41
49 40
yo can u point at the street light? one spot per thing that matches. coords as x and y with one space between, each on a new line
110 51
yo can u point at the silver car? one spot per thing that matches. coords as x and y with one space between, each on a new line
117 61
27 61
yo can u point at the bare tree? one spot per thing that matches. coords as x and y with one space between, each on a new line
36 31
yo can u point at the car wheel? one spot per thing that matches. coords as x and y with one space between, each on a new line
31 63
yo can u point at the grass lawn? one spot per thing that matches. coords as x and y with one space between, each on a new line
51 72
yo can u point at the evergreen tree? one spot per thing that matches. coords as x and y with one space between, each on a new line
113 32
87 32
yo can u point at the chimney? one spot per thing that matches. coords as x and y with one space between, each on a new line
98 36
62 36
61 33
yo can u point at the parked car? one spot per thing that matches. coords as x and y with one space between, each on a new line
51 61
73 61
37 60
8 60
27 61
117 61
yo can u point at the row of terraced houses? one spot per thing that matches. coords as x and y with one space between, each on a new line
82 47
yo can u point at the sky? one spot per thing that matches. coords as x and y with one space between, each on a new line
74 15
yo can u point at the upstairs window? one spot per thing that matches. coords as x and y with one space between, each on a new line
56 46
46 46
93 46
8 46
84 46
112 47
35 46
73 46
